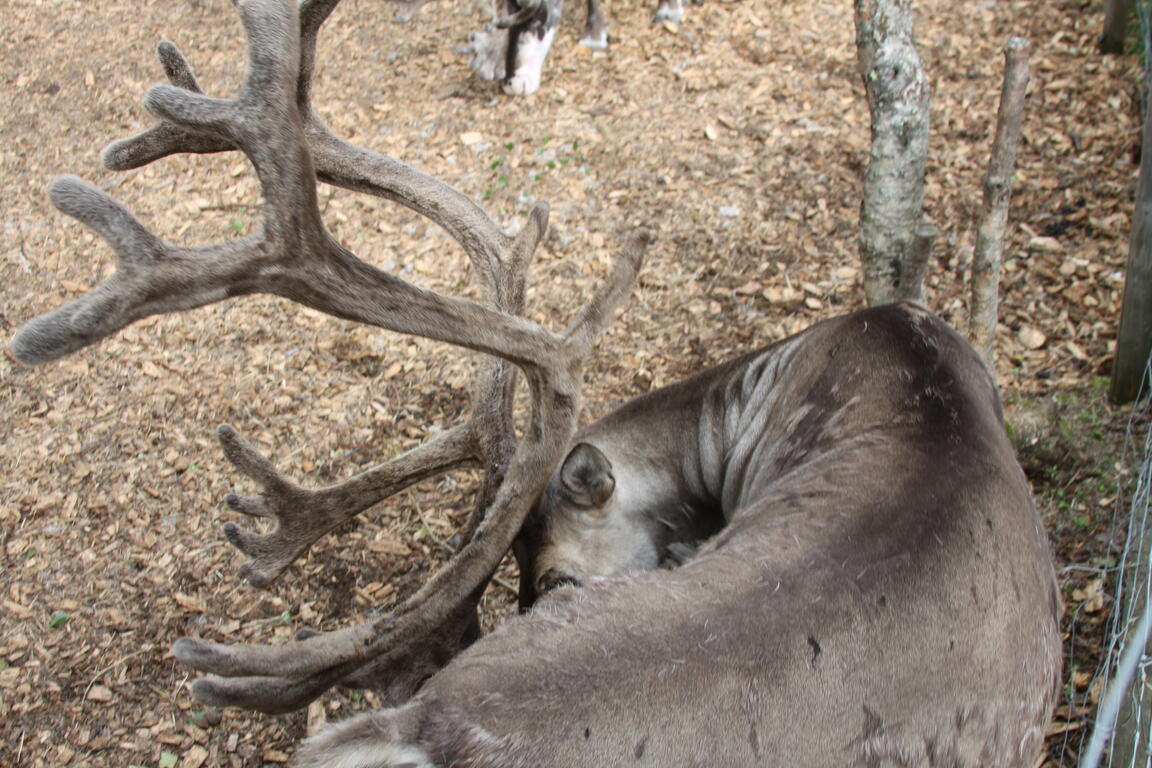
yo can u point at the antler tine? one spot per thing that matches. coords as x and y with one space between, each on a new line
150 278
303 515
295 257
260 676
587 326
336 161
164 138
306 264
313 14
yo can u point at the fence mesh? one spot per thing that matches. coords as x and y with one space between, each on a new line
1126 664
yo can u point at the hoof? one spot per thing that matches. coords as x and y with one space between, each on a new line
674 14
595 43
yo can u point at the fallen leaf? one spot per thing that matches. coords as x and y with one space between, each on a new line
194 757
749 288
1046 244
99 693
189 603
1031 338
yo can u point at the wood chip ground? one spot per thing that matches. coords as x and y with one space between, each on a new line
738 136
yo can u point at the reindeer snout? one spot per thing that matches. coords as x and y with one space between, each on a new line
552 578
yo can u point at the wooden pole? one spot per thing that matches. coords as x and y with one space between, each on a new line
1115 26
1134 338
988 254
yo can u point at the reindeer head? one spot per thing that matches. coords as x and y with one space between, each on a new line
586 528
602 516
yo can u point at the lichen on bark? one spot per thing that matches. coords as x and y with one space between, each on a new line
899 98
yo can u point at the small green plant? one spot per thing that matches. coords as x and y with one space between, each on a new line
58 619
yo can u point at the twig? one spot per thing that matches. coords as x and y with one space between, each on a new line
1085 569
106 670
443 544
997 191
233 207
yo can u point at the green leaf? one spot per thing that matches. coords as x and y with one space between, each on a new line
238 226
167 760
57 619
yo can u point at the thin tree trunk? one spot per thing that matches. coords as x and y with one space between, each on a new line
1134 340
1115 26
916 267
899 98
997 192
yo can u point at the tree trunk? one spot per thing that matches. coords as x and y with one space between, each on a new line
1115 26
899 98
1134 340
916 266
997 192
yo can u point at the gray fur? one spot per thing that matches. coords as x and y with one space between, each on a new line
881 593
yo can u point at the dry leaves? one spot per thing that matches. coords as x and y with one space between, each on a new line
739 136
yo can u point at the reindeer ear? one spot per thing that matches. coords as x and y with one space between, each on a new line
587 476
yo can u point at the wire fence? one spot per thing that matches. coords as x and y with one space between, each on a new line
1122 734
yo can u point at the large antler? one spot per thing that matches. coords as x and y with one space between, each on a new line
271 121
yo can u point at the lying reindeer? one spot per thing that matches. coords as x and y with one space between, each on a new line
514 51
875 588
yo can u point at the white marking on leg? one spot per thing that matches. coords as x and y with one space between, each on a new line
597 41
530 56
669 10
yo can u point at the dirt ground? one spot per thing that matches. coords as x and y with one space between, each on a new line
739 137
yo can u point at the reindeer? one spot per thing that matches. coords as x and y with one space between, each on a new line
871 587
513 49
